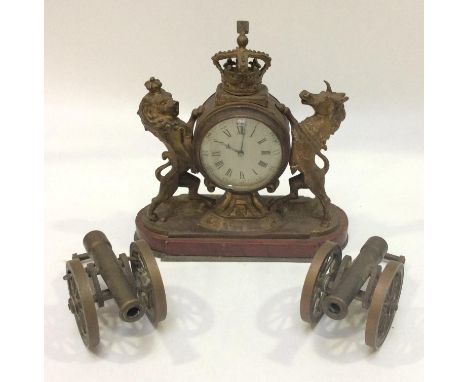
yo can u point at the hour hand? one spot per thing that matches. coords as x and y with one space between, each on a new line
228 146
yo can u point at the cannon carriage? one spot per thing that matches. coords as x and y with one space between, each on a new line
333 282
133 281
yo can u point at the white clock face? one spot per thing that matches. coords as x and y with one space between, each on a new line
241 154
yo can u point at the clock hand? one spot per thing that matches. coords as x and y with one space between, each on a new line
241 151
227 146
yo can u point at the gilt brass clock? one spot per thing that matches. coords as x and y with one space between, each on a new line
241 148
240 141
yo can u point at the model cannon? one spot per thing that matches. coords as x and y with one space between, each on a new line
133 281
333 282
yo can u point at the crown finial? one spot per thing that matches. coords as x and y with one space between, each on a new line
241 68
153 85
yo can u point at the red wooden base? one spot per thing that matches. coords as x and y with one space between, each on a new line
216 248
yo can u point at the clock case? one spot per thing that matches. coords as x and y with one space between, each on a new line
216 111
238 225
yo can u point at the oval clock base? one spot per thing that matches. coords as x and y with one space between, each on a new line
179 236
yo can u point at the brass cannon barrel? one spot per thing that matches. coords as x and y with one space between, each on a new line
335 305
100 250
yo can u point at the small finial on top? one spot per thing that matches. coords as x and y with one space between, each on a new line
242 29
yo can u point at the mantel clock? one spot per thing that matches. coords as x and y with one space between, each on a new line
240 141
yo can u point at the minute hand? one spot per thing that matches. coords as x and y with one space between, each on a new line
242 144
228 146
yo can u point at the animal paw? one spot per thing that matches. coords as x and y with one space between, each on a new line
198 111
152 216
325 223
282 108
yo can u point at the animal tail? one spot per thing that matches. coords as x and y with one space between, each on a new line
326 163
172 158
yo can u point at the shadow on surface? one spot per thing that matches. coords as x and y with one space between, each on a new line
121 342
279 318
189 316
340 341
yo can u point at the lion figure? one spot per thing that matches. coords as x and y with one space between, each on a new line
159 114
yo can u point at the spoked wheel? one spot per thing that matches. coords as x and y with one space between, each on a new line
384 304
81 302
149 284
322 270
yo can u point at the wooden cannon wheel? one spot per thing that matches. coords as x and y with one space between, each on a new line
81 302
148 281
384 304
322 270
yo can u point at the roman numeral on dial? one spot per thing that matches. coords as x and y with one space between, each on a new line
219 164
241 128
262 163
253 132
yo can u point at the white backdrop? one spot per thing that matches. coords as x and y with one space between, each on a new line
231 321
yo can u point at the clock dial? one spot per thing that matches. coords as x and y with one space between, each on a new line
241 154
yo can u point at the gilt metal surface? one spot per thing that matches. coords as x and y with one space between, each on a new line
148 280
336 303
133 282
81 302
322 271
186 216
309 138
270 116
384 304
159 114
100 250
333 283
241 94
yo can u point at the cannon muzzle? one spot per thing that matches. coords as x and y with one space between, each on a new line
335 305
